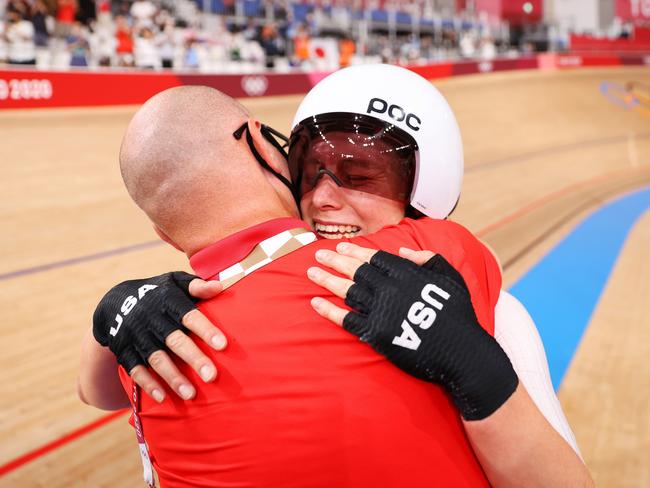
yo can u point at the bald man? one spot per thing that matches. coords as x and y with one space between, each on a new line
298 402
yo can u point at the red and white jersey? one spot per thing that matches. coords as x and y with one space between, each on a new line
300 402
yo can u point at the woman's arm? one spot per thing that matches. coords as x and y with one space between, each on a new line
516 446
514 443
98 383
516 333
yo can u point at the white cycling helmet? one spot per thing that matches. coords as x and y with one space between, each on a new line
397 110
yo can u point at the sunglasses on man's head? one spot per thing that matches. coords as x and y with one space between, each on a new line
269 134
272 136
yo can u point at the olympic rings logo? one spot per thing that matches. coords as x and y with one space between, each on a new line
632 95
254 86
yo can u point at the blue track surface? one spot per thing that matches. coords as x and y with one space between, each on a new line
562 290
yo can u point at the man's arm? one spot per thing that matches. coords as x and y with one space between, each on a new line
136 320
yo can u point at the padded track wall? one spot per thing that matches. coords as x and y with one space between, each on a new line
36 89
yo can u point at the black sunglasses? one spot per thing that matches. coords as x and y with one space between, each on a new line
265 129
272 136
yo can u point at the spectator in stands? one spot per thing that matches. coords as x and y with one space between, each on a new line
146 51
143 12
20 36
251 32
427 50
449 39
467 44
280 8
122 8
77 43
191 55
301 46
124 48
626 30
19 6
346 51
247 51
218 49
488 49
87 11
41 19
3 44
66 12
51 7
101 40
385 50
167 44
409 49
102 45
229 7
161 19
103 6
104 15
271 43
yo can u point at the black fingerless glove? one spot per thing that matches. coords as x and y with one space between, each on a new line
422 320
135 317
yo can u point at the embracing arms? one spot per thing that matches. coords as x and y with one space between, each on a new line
512 439
514 443
134 325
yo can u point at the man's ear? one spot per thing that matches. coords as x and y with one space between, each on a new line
166 238
268 152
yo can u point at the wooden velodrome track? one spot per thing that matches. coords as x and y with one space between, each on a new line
543 149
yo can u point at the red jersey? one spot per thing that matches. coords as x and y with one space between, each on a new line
124 42
300 402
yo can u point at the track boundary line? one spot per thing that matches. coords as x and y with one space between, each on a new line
80 259
535 204
554 150
56 443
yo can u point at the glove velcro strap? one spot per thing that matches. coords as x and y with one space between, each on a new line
482 398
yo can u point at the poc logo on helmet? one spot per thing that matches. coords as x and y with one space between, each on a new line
395 112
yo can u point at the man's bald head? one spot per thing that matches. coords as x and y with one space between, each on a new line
184 127
181 164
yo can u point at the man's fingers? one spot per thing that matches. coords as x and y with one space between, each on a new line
184 348
327 309
148 383
205 289
418 257
338 286
162 364
206 330
343 264
352 250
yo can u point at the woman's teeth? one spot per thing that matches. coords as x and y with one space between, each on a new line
336 231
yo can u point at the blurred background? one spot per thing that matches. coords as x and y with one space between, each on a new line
553 101
248 35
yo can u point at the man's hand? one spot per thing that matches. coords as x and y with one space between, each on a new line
420 318
138 319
